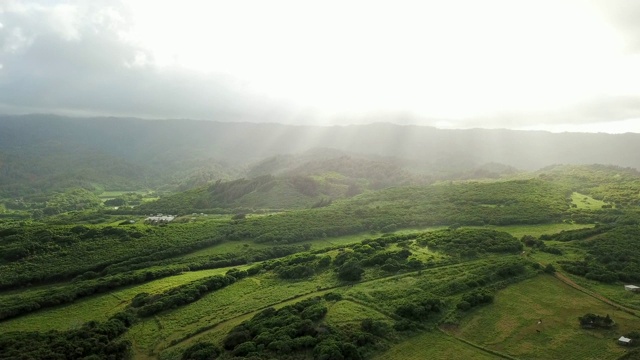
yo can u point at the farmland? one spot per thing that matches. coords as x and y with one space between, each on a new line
461 269
511 323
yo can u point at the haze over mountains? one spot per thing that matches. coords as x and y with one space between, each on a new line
43 150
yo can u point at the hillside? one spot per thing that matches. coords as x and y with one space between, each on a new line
44 153
373 275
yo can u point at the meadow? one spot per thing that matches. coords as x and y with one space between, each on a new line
433 345
538 319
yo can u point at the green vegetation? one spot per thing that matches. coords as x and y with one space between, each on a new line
608 257
538 319
434 345
584 202
350 273
92 340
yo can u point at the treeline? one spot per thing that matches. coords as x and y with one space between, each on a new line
289 332
475 298
19 304
38 254
91 283
93 340
505 203
540 245
470 242
611 256
68 253
612 184
148 305
221 194
55 203
579 234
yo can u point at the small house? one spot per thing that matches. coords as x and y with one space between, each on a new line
624 341
160 219
632 288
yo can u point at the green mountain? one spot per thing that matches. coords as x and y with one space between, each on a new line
44 153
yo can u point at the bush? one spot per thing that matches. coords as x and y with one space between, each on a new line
201 351
350 271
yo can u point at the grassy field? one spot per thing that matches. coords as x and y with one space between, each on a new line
434 345
218 312
615 292
348 312
372 298
99 307
519 231
236 246
510 324
243 297
586 202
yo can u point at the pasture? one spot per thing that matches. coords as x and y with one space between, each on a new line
615 292
586 202
98 307
434 345
538 319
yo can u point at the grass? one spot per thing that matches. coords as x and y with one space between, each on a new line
238 246
433 345
99 307
586 202
519 231
105 195
615 292
349 312
221 309
245 296
218 331
510 324
229 306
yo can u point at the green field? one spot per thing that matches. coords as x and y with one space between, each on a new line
586 202
246 296
434 345
99 307
166 335
615 292
519 231
510 324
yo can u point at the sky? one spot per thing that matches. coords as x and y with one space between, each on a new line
556 65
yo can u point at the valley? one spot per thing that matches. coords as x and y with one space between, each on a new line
307 253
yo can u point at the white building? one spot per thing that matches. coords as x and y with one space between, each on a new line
624 341
632 288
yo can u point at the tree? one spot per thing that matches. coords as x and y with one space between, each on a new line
350 271
201 351
549 269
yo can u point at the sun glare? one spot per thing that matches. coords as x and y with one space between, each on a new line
453 60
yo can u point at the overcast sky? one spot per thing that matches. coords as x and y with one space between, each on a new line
557 65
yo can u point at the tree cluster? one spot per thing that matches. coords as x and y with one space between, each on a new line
596 321
286 332
93 340
475 298
470 242
612 256
185 294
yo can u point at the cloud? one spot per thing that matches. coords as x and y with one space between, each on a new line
72 57
497 64
622 15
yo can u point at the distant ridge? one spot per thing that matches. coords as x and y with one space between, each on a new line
125 152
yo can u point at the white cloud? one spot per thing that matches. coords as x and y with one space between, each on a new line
464 63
